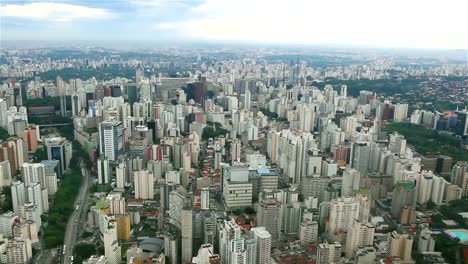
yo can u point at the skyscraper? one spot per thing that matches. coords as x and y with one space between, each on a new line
143 184
58 148
111 142
268 216
309 232
263 240
359 234
18 195
187 234
103 170
360 160
404 194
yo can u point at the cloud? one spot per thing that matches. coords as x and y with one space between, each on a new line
53 11
400 23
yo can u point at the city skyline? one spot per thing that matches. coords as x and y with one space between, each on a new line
360 23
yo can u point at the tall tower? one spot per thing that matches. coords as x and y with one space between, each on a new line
18 195
62 94
268 216
111 139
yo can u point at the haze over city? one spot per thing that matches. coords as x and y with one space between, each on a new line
397 24
233 132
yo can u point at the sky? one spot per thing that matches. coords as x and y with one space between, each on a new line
425 24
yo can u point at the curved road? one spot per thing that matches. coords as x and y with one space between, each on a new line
72 225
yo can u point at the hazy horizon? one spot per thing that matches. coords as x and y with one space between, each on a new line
427 25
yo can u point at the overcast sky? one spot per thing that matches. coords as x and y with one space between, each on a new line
375 23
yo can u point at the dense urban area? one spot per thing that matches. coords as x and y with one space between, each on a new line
232 155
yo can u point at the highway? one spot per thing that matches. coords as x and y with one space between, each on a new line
72 225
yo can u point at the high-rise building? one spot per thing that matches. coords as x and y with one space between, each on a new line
18 195
400 112
360 160
345 210
237 189
351 182
404 194
6 223
116 203
111 245
399 245
359 234
103 170
459 173
5 173
263 240
143 184
329 253
111 142
34 196
121 176
30 136
205 198
269 216
309 232
51 170
58 148
425 186
32 173
123 227
19 250
187 234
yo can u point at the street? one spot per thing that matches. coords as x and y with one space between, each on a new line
72 225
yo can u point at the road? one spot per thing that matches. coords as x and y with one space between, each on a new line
72 225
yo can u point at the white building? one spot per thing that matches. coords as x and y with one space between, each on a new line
143 184
309 232
18 194
263 240
111 139
359 234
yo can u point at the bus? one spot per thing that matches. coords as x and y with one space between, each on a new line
64 249
76 209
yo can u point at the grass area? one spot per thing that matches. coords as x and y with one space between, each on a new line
428 141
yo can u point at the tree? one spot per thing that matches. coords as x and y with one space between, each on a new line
7 204
84 250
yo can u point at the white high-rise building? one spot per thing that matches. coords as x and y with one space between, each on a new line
400 112
263 240
19 250
34 196
187 234
32 173
234 247
6 223
5 173
269 216
116 203
111 142
425 186
103 170
309 232
345 210
438 189
205 198
121 175
143 184
329 253
359 234
351 182
112 249
18 195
